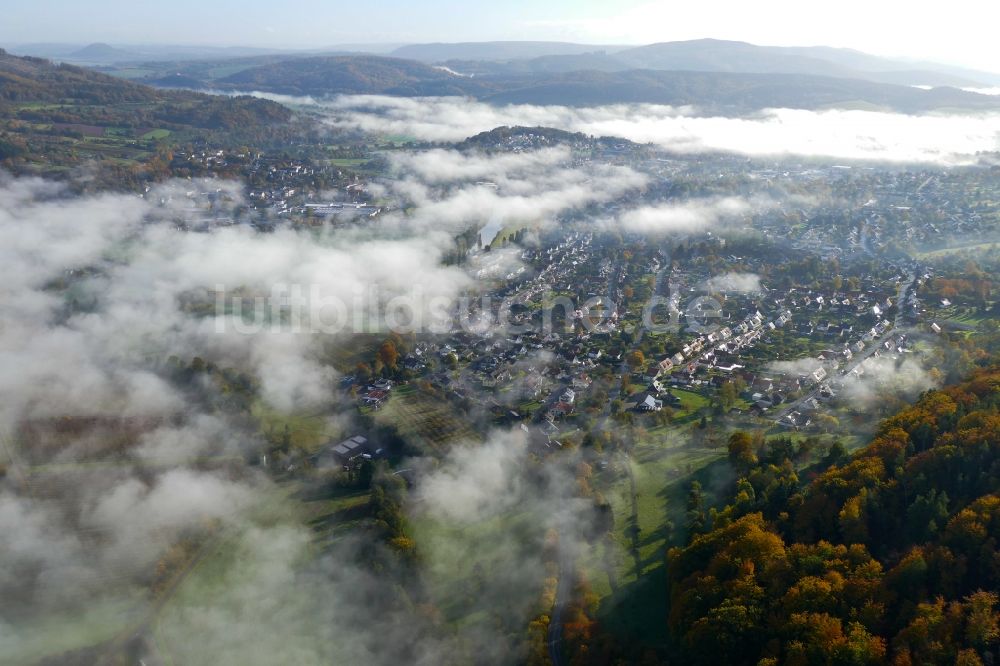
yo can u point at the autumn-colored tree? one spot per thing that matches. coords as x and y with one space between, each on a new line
741 453
636 360
889 556
388 354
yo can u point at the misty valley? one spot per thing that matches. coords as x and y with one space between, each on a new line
498 353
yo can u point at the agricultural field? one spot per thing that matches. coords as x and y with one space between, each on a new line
237 559
155 135
306 431
422 420
956 249
453 573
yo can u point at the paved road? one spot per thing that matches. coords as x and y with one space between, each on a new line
563 591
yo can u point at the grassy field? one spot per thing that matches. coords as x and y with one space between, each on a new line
649 516
399 139
60 633
102 143
132 72
691 404
238 562
156 135
967 317
648 495
348 161
965 320
226 70
461 556
308 431
506 232
345 357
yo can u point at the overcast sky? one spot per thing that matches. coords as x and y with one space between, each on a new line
957 31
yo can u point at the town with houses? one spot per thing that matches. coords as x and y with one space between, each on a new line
786 354
583 325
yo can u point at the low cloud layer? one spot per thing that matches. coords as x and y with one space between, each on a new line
743 283
481 522
110 461
841 134
885 376
103 446
795 368
450 190
685 216
983 91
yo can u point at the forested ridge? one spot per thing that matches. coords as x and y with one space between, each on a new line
887 557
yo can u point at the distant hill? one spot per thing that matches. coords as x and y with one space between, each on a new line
29 79
735 93
351 75
101 53
702 55
598 61
753 60
82 53
493 50
713 55
865 62
541 136
176 80
716 92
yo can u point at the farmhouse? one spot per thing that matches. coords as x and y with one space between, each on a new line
649 404
342 454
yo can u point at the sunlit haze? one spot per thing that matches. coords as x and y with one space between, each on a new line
961 33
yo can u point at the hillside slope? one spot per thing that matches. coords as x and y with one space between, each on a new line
888 557
718 92
54 117
734 93
350 75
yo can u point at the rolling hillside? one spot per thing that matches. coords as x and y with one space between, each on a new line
55 117
351 75
715 92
